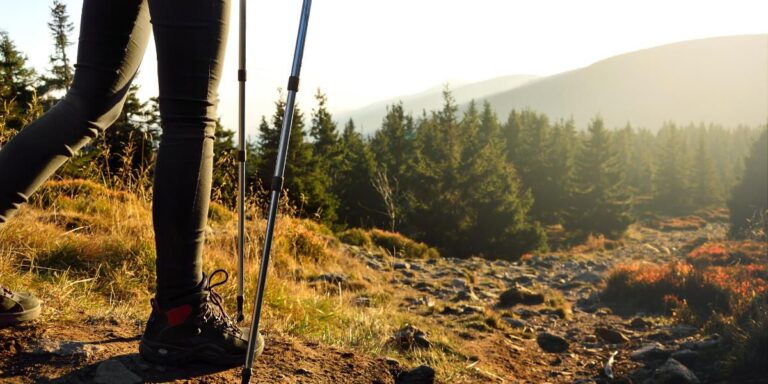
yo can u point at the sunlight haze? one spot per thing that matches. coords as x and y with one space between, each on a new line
359 52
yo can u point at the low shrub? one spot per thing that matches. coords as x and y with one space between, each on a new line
401 245
356 236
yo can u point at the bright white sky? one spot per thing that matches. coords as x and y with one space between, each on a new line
362 51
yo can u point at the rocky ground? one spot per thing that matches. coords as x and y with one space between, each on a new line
540 320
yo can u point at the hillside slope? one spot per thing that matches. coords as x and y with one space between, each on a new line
338 312
722 80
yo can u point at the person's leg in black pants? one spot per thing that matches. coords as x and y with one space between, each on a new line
188 319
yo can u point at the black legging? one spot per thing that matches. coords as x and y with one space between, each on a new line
190 36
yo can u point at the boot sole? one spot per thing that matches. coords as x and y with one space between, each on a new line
165 354
18 317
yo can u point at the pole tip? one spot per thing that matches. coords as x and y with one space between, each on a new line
246 376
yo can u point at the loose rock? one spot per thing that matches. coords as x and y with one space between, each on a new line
421 375
672 372
62 348
520 295
410 337
552 343
650 352
609 335
114 372
333 278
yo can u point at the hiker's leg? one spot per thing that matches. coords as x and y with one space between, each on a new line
113 36
188 320
190 36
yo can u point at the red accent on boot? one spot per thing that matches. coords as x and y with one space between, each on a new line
178 315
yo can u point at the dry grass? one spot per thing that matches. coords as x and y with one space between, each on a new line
722 286
88 252
687 223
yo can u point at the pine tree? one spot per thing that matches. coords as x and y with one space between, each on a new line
705 186
392 145
17 87
673 189
323 131
600 202
305 184
494 207
559 172
225 169
468 201
61 70
749 200
359 204
128 145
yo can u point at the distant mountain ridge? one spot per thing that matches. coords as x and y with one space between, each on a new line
721 80
369 118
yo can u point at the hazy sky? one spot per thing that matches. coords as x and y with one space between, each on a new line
361 51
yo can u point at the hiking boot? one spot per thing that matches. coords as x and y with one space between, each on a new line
16 307
195 327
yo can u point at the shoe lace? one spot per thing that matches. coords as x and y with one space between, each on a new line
214 308
6 292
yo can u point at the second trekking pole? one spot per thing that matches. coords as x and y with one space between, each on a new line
277 185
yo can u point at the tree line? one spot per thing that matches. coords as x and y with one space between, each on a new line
462 179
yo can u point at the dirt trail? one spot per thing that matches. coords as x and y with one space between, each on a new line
108 354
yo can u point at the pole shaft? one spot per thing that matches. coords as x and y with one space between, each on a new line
274 202
241 171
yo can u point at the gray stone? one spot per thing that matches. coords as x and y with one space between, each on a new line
708 343
552 343
687 357
333 278
410 337
520 295
588 277
416 267
114 372
471 309
673 372
374 265
680 331
62 348
459 283
363 301
401 265
466 295
515 323
640 323
650 352
610 335
420 375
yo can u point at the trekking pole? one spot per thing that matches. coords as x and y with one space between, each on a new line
277 184
241 78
